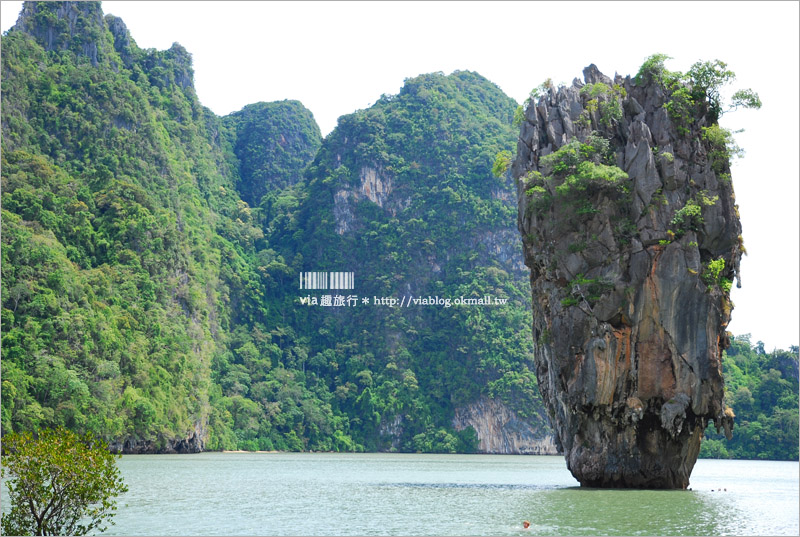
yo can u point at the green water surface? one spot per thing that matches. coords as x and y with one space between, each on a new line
393 494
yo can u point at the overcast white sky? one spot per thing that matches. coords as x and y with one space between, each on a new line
338 57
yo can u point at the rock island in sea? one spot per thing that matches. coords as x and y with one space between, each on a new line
632 237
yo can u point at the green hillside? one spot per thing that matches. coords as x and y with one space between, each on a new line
151 253
273 143
402 194
124 240
762 389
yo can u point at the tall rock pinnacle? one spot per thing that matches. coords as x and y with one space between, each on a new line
632 236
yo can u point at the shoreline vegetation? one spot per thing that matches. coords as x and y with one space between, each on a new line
559 455
245 451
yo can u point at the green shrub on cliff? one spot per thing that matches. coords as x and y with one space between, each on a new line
605 100
712 275
690 216
654 68
706 79
502 162
697 90
577 169
723 147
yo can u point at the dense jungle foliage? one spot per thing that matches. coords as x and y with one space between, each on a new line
444 229
151 253
762 389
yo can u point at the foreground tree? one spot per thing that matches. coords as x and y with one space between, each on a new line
60 483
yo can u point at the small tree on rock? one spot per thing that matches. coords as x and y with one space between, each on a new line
60 483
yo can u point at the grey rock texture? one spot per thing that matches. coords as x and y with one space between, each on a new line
123 42
194 442
375 185
81 28
501 431
75 26
628 323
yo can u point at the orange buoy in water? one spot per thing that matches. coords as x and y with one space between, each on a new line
526 524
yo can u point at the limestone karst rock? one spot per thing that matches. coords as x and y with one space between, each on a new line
630 276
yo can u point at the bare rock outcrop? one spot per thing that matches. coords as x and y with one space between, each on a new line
632 236
194 442
501 431
374 185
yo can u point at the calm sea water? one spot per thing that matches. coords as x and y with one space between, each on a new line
389 494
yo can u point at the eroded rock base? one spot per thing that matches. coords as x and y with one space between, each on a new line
637 457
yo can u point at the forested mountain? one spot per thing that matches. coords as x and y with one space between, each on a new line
402 194
151 254
273 143
125 243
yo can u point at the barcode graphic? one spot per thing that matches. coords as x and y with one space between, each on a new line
327 280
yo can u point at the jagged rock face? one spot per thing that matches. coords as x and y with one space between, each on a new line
374 185
194 442
501 431
65 26
629 314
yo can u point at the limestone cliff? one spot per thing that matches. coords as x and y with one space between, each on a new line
632 237
194 442
75 26
501 431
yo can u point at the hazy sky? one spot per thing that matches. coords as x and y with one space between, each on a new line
337 57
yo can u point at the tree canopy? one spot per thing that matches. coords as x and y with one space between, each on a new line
60 483
762 389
